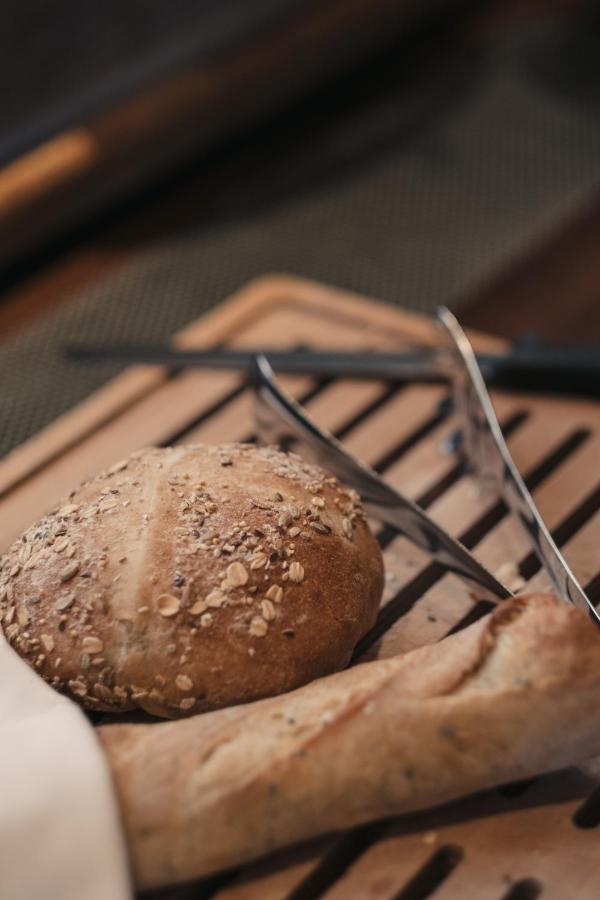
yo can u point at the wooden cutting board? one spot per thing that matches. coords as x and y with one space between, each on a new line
517 843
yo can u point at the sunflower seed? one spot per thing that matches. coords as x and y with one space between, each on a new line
69 571
320 527
64 602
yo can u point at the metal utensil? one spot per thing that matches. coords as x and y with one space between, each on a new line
490 457
559 369
279 418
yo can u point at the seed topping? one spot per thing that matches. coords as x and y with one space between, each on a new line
236 574
275 593
296 572
258 627
168 605
187 703
268 610
198 608
184 683
69 571
92 644
258 561
48 642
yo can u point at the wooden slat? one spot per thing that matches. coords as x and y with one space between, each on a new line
482 828
406 432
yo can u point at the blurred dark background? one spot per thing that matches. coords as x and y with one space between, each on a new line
154 157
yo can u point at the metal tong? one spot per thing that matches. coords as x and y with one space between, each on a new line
488 454
280 419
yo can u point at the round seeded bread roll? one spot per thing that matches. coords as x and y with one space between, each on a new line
191 578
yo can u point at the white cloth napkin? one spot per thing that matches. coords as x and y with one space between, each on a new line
60 834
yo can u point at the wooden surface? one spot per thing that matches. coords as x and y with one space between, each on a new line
518 843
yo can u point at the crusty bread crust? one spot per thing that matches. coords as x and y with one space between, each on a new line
515 694
192 578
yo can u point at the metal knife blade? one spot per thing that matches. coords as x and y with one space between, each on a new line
486 449
279 418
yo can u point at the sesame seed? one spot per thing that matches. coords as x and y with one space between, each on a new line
347 528
184 683
206 620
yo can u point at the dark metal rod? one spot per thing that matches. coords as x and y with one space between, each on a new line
564 370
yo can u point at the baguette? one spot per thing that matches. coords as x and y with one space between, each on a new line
513 695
